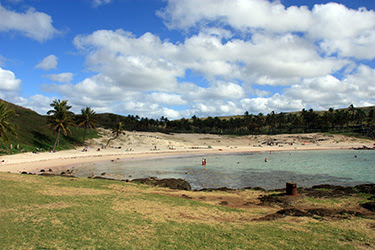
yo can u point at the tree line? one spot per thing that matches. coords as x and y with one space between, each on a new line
60 119
358 120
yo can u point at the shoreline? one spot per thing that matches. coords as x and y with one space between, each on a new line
70 158
137 145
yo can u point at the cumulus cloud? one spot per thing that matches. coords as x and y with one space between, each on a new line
253 55
49 62
33 24
340 29
328 91
62 77
166 98
38 103
149 63
8 81
240 14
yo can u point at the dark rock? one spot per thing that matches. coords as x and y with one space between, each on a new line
328 191
172 183
224 189
323 212
324 186
23 172
369 206
47 174
103 178
256 188
270 217
67 175
366 188
279 200
42 170
223 203
292 212
186 197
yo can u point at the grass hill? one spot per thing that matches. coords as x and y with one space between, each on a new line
33 132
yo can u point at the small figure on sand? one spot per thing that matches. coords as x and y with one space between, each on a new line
204 162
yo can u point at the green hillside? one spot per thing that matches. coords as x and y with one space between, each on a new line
33 132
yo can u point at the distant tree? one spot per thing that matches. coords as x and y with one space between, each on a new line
87 121
5 125
371 117
60 118
360 115
118 130
352 110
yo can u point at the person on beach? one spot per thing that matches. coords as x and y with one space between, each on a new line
204 162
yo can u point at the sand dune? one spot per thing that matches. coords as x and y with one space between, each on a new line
146 144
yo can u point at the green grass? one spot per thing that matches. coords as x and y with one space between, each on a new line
62 213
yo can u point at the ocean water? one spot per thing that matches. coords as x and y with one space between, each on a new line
306 168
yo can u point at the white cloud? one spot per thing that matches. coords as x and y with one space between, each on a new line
340 29
166 98
33 24
49 62
8 81
328 91
252 43
97 3
38 103
170 113
151 64
62 77
240 14
133 63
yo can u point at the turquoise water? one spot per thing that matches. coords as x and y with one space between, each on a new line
307 168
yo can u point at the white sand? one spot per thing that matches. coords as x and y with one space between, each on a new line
142 144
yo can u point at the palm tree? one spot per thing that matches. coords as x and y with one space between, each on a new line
5 126
352 110
118 130
87 121
60 119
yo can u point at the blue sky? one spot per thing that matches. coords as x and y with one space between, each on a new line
187 57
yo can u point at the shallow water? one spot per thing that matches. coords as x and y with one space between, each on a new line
307 168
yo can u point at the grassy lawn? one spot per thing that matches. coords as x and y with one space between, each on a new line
65 213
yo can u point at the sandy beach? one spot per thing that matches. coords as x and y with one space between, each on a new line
147 144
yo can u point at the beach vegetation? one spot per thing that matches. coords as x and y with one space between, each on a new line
116 131
60 119
5 124
87 121
33 133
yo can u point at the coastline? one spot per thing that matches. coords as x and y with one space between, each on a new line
159 145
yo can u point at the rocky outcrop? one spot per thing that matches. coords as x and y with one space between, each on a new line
366 188
172 183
